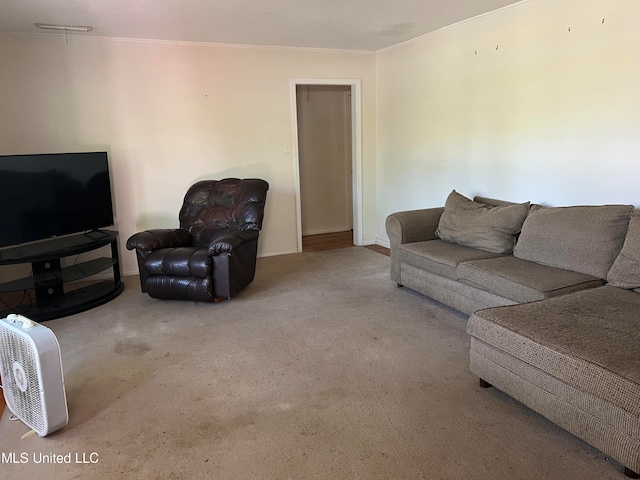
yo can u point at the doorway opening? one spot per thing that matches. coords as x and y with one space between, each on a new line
327 162
324 156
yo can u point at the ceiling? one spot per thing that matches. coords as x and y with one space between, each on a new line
368 25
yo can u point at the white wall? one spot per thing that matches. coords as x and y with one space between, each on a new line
550 116
170 114
538 102
325 163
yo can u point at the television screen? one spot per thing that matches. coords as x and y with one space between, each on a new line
44 196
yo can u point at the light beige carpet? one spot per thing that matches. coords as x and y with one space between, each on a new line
321 369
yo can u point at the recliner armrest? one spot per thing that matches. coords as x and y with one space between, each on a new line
232 240
150 240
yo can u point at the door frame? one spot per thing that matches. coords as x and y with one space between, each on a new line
356 150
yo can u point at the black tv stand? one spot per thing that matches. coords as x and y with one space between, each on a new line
49 277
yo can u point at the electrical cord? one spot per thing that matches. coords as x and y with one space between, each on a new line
22 302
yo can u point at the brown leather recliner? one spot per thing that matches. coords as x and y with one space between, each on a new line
212 256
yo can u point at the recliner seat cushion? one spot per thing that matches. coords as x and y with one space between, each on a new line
473 224
585 239
179 262
523 281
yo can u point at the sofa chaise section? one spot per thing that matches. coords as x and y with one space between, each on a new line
575 359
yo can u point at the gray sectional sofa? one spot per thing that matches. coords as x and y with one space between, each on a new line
553 295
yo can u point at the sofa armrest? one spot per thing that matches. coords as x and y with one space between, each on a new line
231 241
150 240
413 225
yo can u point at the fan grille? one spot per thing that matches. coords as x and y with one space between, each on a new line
27 405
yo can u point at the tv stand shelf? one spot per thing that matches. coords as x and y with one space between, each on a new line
49 279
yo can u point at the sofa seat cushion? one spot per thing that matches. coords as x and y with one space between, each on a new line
522 281
438 256
585 239
179 262
587 340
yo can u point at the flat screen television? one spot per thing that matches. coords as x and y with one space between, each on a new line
50 195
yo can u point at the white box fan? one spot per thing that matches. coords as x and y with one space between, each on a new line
31 369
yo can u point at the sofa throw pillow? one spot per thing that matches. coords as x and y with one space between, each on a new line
584 239
625 272
477 225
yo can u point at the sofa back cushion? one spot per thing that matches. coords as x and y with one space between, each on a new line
585 239
477 225
625 272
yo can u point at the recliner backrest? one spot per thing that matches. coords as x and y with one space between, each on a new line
231 203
